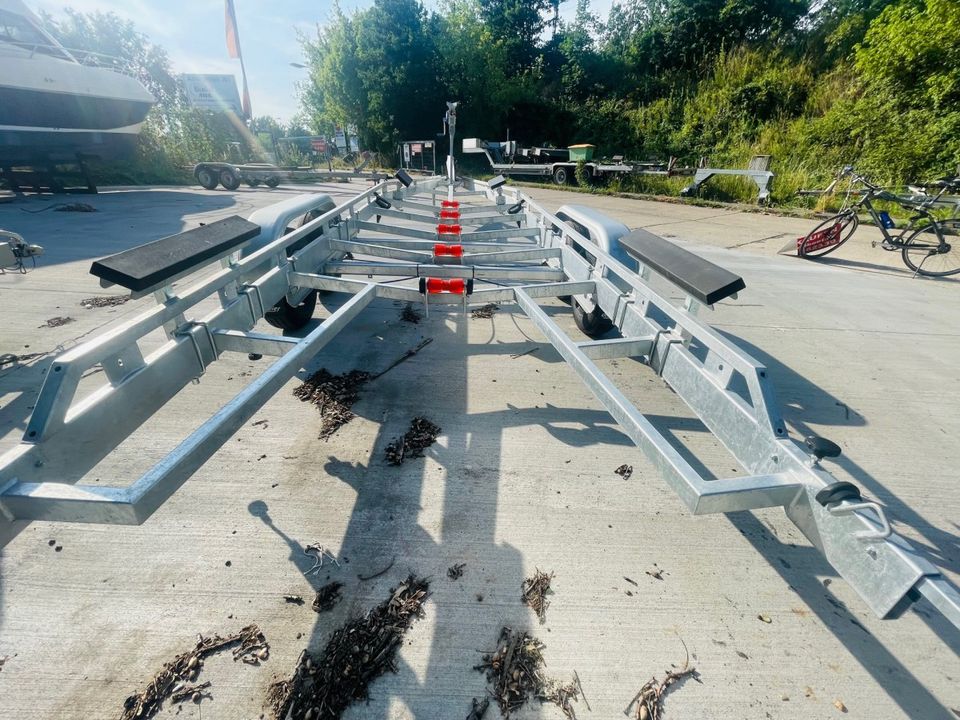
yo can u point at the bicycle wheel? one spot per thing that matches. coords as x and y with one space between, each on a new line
829 235
927 253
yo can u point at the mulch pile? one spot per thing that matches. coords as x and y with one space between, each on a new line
535 591
327 597
515 675
324 685
484 312
421 435
249 645
408 314
104 301
333 395
58 321
455 572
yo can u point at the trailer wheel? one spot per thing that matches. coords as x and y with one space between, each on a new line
206 177
272 182
561 176
285 316
592 324
229 179
253 182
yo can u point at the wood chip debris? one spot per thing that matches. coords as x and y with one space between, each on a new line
410 314
104 301
324 685
455 572
189 691
294 599
624 471
656 573
838 704
333 395
478 709
248 645
57 321
649 701
327 597
421 435
535 590
484 312
514 673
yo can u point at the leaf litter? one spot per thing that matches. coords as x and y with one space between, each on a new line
249 645
421 435
535 591
649 700
333 395
515 675
324 685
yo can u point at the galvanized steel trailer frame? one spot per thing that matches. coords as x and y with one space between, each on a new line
530 255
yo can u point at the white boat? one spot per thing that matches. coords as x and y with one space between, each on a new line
56 103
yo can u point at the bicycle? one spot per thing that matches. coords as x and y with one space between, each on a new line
929 248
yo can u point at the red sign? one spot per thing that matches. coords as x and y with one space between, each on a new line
820 239
318 144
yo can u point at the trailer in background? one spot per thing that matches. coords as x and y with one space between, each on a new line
560 164
231 175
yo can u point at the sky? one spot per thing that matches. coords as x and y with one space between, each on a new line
192 32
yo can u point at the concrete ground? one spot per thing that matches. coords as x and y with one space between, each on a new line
521 478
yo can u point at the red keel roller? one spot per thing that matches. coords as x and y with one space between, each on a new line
454 286
440 250
448 229
449 214
450 203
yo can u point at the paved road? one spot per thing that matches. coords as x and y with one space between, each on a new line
521 478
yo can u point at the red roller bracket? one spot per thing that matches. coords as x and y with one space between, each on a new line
441 250
448 229
450 203
449 214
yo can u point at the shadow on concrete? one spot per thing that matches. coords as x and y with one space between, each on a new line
803 403
880 269
387 522
799 567
124 219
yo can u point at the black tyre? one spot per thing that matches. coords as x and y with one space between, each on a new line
841 226
561 175
207 178
229 179
272 182
592 324
285 316
927 253
253 182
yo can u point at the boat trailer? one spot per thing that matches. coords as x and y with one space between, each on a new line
448 243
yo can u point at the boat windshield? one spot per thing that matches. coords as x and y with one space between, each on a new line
17 30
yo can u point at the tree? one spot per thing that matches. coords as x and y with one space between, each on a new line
376 70
516 26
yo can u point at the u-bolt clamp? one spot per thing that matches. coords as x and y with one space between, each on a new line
245 289
186 331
